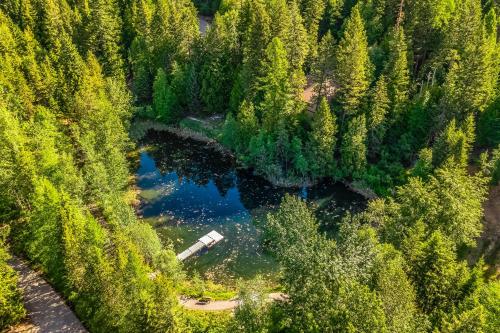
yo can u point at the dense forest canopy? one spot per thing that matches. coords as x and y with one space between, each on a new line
405 102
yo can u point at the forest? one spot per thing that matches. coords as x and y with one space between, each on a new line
403 103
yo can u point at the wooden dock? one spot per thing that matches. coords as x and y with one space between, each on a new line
205 242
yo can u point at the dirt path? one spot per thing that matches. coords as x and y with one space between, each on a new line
193 304
205 22
490 240
47 311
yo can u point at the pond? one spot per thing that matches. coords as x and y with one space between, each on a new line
188 189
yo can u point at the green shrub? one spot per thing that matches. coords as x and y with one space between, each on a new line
11 307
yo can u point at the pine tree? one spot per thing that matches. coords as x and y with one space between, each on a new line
280 17
104 41
322 68
396 292
454 144
164 101
247 126
297 47
353 149
230 132
426 22
322 140
275 86
398 76
471 80
353 67
21 12
222 56
50 24
299 161
312 11
11 297
174 29
142 78
256 34
438 277
379 108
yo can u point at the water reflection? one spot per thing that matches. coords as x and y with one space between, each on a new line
188 189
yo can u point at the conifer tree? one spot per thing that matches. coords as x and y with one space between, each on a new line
299 161
353 149
139 19
275 86
104 40
140 64
51 22
230 131
221 57
438 277
256 26
164 101
322 68
378 112
21 12
472 78
297 47
247 125
174 29
11 297
426 21
353 67
322 140
280 17
312 11
453 145
398 74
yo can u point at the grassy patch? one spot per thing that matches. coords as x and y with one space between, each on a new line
210 127
196 288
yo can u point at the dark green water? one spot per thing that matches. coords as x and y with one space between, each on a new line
189 189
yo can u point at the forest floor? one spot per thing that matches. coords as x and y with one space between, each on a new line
205 22
47 310
489 243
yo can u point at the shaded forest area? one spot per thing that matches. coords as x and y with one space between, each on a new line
405 76
415 93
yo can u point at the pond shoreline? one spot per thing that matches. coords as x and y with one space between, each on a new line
140 127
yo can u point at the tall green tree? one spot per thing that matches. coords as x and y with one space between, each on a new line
247 125
377 123
222 56
275 86
104 30
11 309
398 76
322 68
296 43
256 36
439 278
453 145
353 148
353 70
313 12
399 304
470 83
322 140
164 101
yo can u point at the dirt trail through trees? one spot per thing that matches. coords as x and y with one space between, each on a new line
491 233
47 311
193 304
